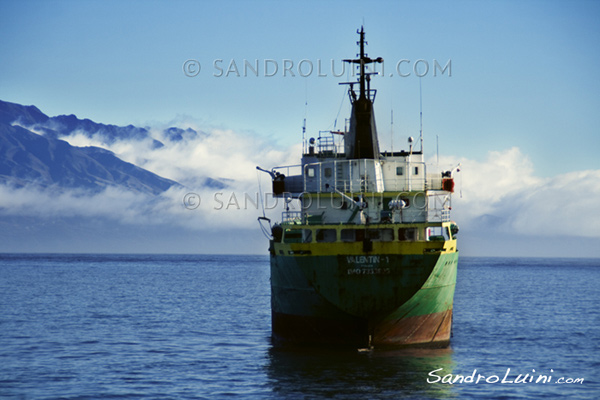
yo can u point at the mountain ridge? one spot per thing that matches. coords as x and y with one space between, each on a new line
29 158
33 153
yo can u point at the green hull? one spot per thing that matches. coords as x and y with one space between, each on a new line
380 300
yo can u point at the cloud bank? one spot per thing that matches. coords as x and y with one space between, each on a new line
217 167
503 193
500 194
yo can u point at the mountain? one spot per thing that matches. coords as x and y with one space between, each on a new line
53 195
23 115
30 117
178 134
28 158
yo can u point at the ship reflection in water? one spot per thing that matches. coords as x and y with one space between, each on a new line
317 373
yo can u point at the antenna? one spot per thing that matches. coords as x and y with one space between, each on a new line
304 136
392 131
421 113
304 121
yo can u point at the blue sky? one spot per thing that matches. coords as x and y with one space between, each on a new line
523 73
523 94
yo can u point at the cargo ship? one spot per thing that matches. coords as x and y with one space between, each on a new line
365 254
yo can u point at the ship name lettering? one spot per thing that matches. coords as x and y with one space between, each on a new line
363 259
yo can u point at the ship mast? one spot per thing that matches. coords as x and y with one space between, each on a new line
361 141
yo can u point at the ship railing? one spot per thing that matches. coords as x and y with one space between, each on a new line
288 170
326 144
348 176
366 175
290 217
403 185
438 215
434 182
354 186
445 215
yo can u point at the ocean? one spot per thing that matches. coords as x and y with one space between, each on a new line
198 327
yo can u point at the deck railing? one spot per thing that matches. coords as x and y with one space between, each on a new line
291 216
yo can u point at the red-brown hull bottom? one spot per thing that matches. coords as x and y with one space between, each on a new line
423 331
430 330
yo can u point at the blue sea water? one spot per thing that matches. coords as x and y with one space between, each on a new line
198 327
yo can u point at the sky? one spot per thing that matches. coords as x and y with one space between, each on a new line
515 99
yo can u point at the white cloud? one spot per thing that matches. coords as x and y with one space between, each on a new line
209 209
563 205
217 154
505 186
80 139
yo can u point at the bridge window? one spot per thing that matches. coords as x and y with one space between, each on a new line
326 235
387 235
306 235
348 235
353 235
293 236
407 234
380 235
